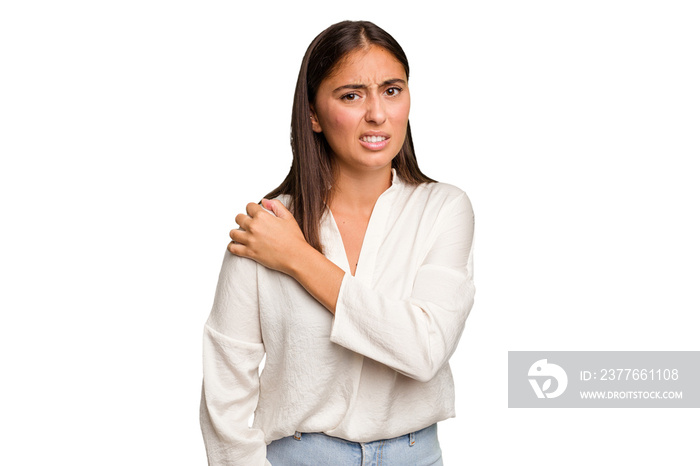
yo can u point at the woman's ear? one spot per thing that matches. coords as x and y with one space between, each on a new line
315 125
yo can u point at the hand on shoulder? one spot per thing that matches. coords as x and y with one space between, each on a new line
273 240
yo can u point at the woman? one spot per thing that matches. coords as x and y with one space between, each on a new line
357 287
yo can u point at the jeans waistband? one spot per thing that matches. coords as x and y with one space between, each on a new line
411 437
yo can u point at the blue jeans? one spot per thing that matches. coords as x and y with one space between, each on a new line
315 449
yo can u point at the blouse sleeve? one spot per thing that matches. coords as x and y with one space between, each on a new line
232 352
415 336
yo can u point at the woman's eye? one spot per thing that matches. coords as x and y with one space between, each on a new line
351 96
392 91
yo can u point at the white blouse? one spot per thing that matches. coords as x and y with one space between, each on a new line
378 368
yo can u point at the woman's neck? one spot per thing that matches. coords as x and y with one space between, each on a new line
357 192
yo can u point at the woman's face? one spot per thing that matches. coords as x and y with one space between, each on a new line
362 109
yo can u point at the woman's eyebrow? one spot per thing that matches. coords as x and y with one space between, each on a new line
388 82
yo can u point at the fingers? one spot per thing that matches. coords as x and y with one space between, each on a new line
276 206
252 208
251 223
243 220
236 249
239 236
257 228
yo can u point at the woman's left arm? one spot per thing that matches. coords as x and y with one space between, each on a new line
276 241
415 336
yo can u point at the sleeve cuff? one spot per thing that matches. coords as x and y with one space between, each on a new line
340 319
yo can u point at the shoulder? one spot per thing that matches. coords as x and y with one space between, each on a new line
443 190
236 269
444 197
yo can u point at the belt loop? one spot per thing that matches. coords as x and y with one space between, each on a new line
411 439
297 435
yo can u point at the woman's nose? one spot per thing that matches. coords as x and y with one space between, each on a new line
375 112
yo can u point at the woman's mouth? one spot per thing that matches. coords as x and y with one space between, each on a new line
374 142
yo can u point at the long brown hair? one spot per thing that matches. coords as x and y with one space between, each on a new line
311 174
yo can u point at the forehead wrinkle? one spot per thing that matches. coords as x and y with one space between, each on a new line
359 84
356 55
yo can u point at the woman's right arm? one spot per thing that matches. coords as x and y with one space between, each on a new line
232 352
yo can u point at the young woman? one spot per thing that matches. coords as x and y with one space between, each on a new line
354 277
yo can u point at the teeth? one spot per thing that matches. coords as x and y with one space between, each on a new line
373 138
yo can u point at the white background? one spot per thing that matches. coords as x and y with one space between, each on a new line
133 132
